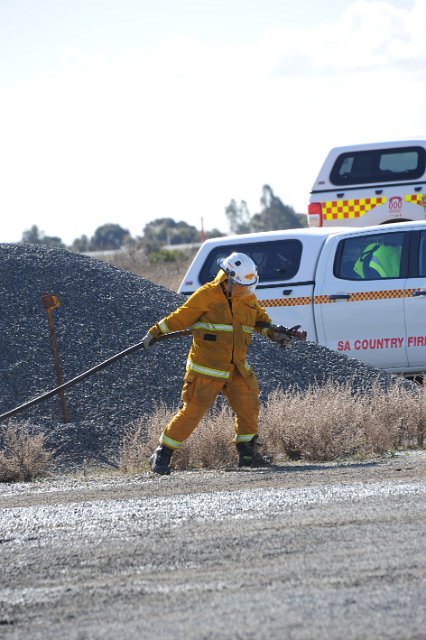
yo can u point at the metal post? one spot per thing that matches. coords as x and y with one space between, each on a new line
51 302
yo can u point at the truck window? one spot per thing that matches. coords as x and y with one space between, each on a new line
371 257
379 165
275 260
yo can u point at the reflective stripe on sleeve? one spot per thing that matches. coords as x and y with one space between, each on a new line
163 326
247 329
169 442
206 371
244 437
213 327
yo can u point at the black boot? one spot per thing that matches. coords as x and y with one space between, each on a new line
160 460
248 456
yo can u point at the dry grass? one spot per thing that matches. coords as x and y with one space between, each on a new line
322 424
23 456
166 274
141 440
329 422
209 445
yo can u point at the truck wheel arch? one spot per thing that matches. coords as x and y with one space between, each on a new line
397 220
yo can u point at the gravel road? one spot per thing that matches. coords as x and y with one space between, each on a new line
320 551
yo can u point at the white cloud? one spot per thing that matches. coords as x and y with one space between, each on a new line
368 36
182 130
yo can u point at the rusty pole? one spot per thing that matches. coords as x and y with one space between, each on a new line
51 302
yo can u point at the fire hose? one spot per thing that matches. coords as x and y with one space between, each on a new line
86 374
293 333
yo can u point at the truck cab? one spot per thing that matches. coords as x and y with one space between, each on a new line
370 184
337 285
286 262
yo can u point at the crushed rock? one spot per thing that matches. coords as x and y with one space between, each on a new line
103 311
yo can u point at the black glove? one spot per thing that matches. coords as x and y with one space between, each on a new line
285 336
281 337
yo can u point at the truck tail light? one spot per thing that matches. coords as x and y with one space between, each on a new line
315 214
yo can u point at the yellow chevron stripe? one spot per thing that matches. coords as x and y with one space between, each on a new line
416 198
341 209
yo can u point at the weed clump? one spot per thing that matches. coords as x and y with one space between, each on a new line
23 456
141 439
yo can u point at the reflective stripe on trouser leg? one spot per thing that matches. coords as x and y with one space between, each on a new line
198 394
243 396
169 442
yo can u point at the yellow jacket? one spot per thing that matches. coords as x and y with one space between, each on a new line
220 335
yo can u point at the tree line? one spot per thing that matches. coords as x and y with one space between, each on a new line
166 231
273 216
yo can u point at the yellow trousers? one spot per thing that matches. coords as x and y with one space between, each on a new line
199 393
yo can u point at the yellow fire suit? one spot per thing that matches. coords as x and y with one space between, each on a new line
221 328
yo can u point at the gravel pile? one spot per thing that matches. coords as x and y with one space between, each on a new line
105 310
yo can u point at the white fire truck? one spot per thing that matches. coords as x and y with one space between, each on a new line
361 292
370 184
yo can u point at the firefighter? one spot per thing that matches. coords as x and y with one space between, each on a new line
222 315
378 260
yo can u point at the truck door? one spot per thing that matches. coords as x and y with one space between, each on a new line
415 303
359 304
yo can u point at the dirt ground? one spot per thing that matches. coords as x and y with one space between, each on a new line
300 551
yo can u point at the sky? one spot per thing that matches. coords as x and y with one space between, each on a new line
124 111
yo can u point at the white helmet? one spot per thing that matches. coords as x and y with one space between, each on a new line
240 268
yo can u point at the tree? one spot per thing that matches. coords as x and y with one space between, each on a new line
35 236
166 231
274 215
238 217
108 236
53 241
214 233
185 233
81 244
